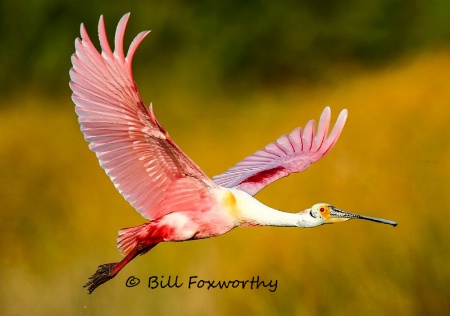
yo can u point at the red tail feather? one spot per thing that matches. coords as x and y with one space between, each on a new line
129 238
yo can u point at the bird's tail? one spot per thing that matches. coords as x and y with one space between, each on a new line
129 237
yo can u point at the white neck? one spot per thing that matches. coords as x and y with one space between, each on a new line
254 213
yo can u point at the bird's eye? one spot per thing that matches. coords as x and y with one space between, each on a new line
322 210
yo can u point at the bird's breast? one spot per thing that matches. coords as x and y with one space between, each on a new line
230 204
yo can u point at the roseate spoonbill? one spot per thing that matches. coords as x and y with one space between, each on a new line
164 184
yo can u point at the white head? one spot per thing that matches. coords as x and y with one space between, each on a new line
323 213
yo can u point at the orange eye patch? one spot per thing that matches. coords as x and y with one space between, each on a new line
324 211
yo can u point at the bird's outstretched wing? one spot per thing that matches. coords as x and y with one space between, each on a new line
146 166
290 153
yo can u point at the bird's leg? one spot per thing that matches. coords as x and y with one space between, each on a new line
106 272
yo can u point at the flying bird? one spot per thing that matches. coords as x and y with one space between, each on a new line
160 181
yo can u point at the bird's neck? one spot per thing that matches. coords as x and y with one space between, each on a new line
251 212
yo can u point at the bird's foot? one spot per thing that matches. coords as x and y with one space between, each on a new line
104 273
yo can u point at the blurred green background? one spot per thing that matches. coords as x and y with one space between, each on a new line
226 78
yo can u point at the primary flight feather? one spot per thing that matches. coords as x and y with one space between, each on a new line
161 182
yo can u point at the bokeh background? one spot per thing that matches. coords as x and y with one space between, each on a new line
226 78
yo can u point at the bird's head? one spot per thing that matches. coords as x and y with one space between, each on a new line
323 213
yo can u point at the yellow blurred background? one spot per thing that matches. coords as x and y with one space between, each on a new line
60 213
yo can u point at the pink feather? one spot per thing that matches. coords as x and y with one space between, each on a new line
290 153
146 166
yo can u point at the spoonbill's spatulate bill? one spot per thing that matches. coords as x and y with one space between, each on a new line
160 181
